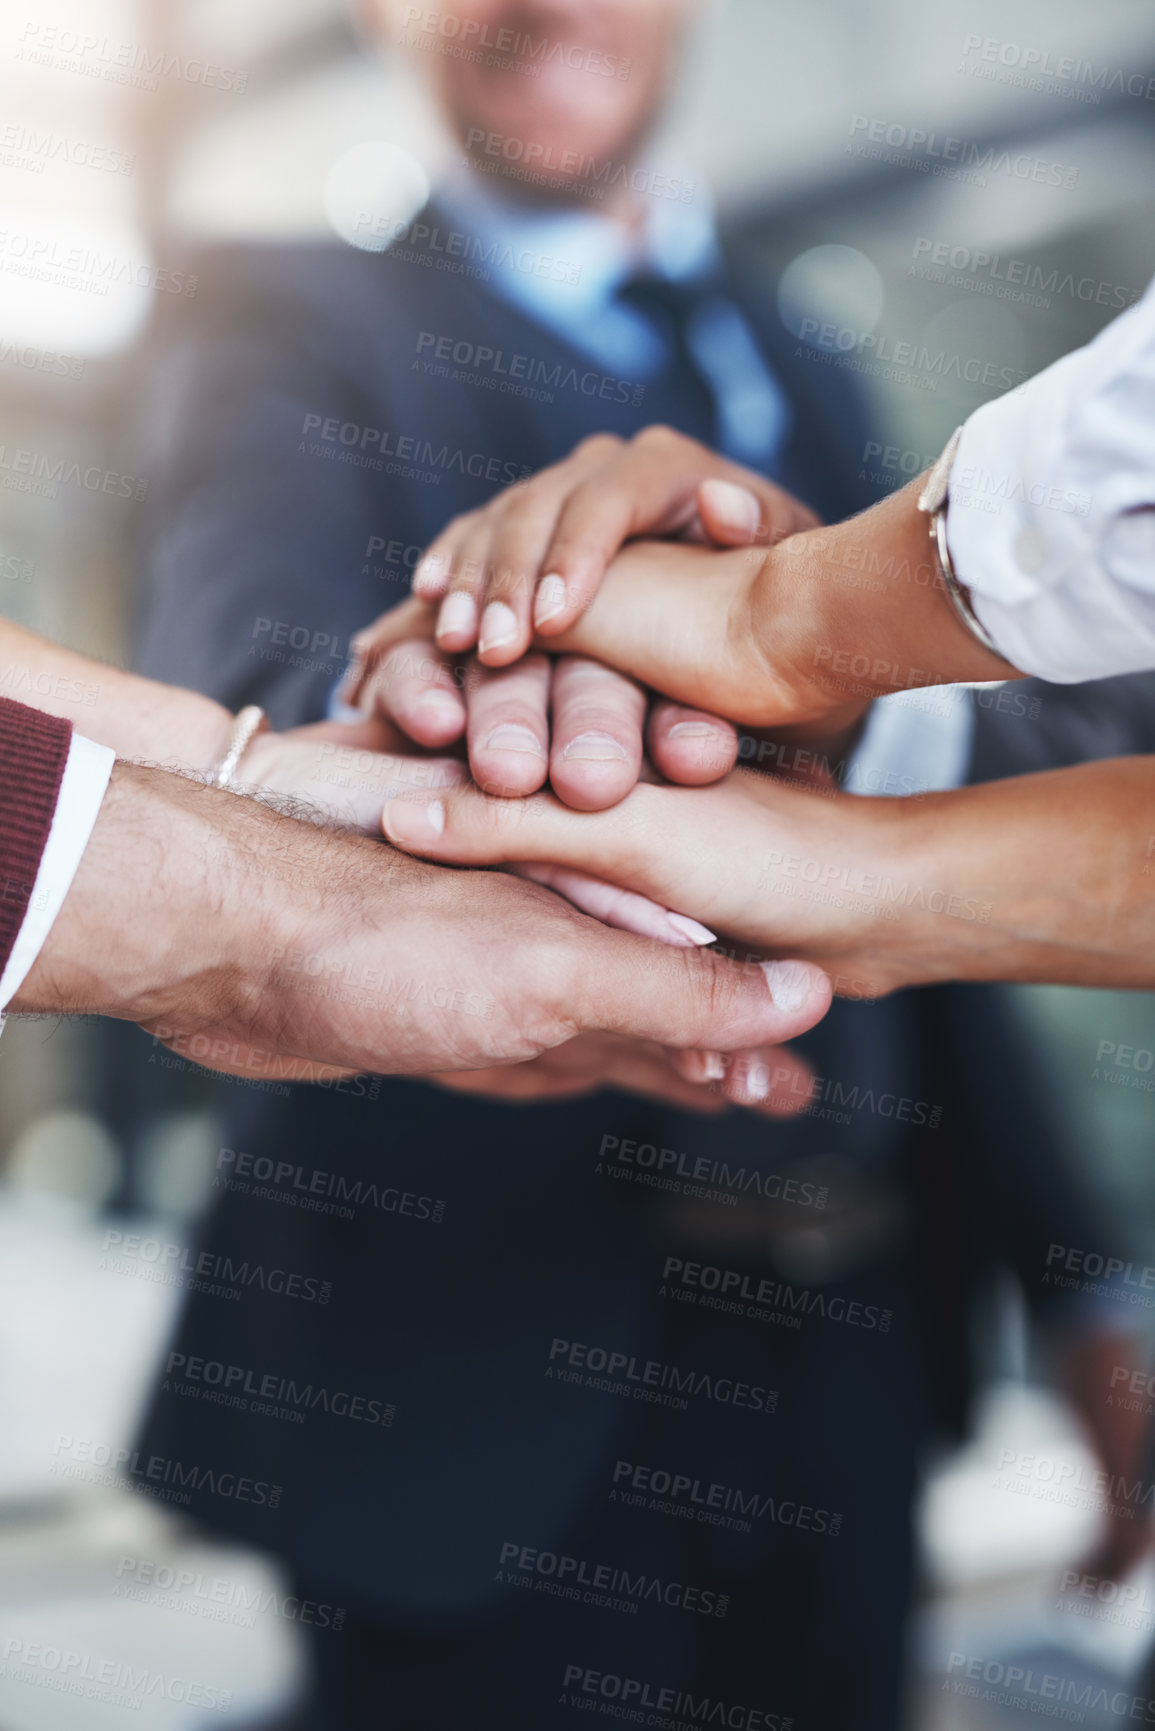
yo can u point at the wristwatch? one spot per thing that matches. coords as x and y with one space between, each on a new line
933 500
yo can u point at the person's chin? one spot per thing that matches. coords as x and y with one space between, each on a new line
559 114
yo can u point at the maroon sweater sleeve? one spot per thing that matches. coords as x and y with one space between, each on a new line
33 752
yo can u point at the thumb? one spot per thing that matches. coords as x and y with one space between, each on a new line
692 998
730 515
737 516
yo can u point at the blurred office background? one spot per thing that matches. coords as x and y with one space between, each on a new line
129 128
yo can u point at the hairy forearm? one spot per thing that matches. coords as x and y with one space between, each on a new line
1047 877
151 918
183 907
138 718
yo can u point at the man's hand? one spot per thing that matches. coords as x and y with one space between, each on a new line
260 945
572 720
343 772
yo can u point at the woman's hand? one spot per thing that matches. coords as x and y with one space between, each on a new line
533 558
1039 877
781 870
572 720
802 634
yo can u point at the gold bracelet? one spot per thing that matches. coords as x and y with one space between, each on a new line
248 723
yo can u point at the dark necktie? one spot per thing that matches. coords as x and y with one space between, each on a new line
686 395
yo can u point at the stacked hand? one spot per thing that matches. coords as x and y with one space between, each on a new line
539 552
268 948
668 615
790 628
260 944
795 625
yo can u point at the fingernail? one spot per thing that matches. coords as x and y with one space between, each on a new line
789 984
734 506
512 736
413 823
498 626
714 1066
429 576
458 616
756 1081
694 730
696 933
595 748
438 706
550 598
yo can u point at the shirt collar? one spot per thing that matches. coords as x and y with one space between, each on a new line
677 240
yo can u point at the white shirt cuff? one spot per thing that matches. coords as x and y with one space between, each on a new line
1035 562
1051 520
82 788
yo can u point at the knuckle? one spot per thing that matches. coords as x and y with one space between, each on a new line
370 635
600 718
715 982
633 845
498 819
581 678
467 569
574 542
527 527
660 436
511 711
511 582
559 987
453 530
599 445
525 514
412 655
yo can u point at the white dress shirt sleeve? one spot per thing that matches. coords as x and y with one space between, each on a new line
82 786
1051 518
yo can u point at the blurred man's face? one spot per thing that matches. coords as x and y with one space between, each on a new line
552 88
